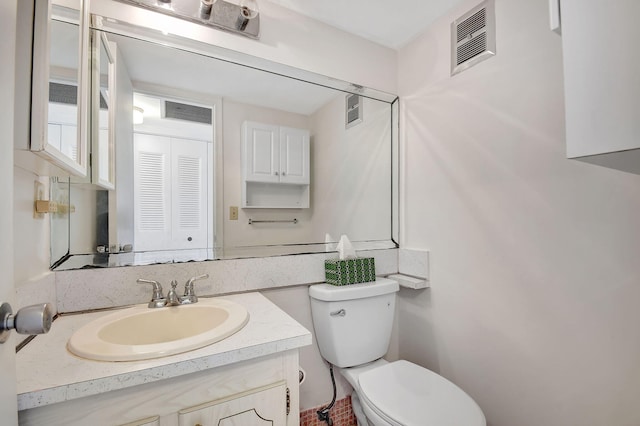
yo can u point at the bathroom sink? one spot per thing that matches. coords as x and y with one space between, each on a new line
143 333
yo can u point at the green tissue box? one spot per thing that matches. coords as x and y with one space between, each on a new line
350 271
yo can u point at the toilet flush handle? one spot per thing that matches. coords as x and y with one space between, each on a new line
339 313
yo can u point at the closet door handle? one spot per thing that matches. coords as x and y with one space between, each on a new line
34 319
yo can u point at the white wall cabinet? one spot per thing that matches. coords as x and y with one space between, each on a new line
275 166
602 82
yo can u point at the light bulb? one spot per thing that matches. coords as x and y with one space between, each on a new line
205 6
248 11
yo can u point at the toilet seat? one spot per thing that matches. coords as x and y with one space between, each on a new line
406 394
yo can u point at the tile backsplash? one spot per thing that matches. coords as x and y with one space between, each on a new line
88 289
414 263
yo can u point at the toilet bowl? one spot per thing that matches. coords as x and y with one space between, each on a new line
353 329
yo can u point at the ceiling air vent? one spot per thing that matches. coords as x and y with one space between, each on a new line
353 107
63 93
473 37
186 112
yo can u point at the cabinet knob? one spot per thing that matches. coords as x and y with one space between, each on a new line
275 173
284 173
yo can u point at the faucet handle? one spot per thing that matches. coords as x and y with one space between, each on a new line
157 299
199 277
189 292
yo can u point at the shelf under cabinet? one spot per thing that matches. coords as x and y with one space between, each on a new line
263 195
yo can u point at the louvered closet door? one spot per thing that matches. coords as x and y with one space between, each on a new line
152 198
189 189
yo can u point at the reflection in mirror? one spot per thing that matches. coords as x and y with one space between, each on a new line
173 165
102 76
62 129
174 200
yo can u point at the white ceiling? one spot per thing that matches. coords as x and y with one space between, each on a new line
391 23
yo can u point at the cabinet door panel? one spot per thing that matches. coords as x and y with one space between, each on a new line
294 155
261 145
261 407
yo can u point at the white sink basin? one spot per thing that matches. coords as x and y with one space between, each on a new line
144 333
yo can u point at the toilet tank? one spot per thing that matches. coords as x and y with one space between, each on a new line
353 323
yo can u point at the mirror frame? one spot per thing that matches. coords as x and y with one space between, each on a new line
98 41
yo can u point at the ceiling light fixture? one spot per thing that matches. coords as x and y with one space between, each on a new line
138 115
243 18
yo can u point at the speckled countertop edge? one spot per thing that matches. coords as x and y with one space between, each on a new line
48 373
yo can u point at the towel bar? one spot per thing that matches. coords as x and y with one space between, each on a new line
294 220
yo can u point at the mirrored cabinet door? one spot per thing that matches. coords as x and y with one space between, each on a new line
59 91
102 101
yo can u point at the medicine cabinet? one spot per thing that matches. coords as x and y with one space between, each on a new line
602 94
72 117
60 91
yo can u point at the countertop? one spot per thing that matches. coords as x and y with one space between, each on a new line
48 373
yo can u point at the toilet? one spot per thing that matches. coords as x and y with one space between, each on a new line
353 328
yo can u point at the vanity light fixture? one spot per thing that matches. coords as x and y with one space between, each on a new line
138 115
242 18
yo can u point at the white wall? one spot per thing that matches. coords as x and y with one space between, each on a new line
351 172
533 307
30 260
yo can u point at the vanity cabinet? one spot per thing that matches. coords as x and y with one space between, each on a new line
601 84
276 166
263 406
255 392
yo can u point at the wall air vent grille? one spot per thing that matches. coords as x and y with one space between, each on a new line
63 93
186 112
473 48
353 110
474 23
473 37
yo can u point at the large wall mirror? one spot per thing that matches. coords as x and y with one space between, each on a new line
188 127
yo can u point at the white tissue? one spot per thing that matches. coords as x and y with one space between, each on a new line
345 249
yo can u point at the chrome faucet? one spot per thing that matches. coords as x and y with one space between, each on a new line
172 296
189 292
158 300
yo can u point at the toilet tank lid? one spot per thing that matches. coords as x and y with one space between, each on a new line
329 293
